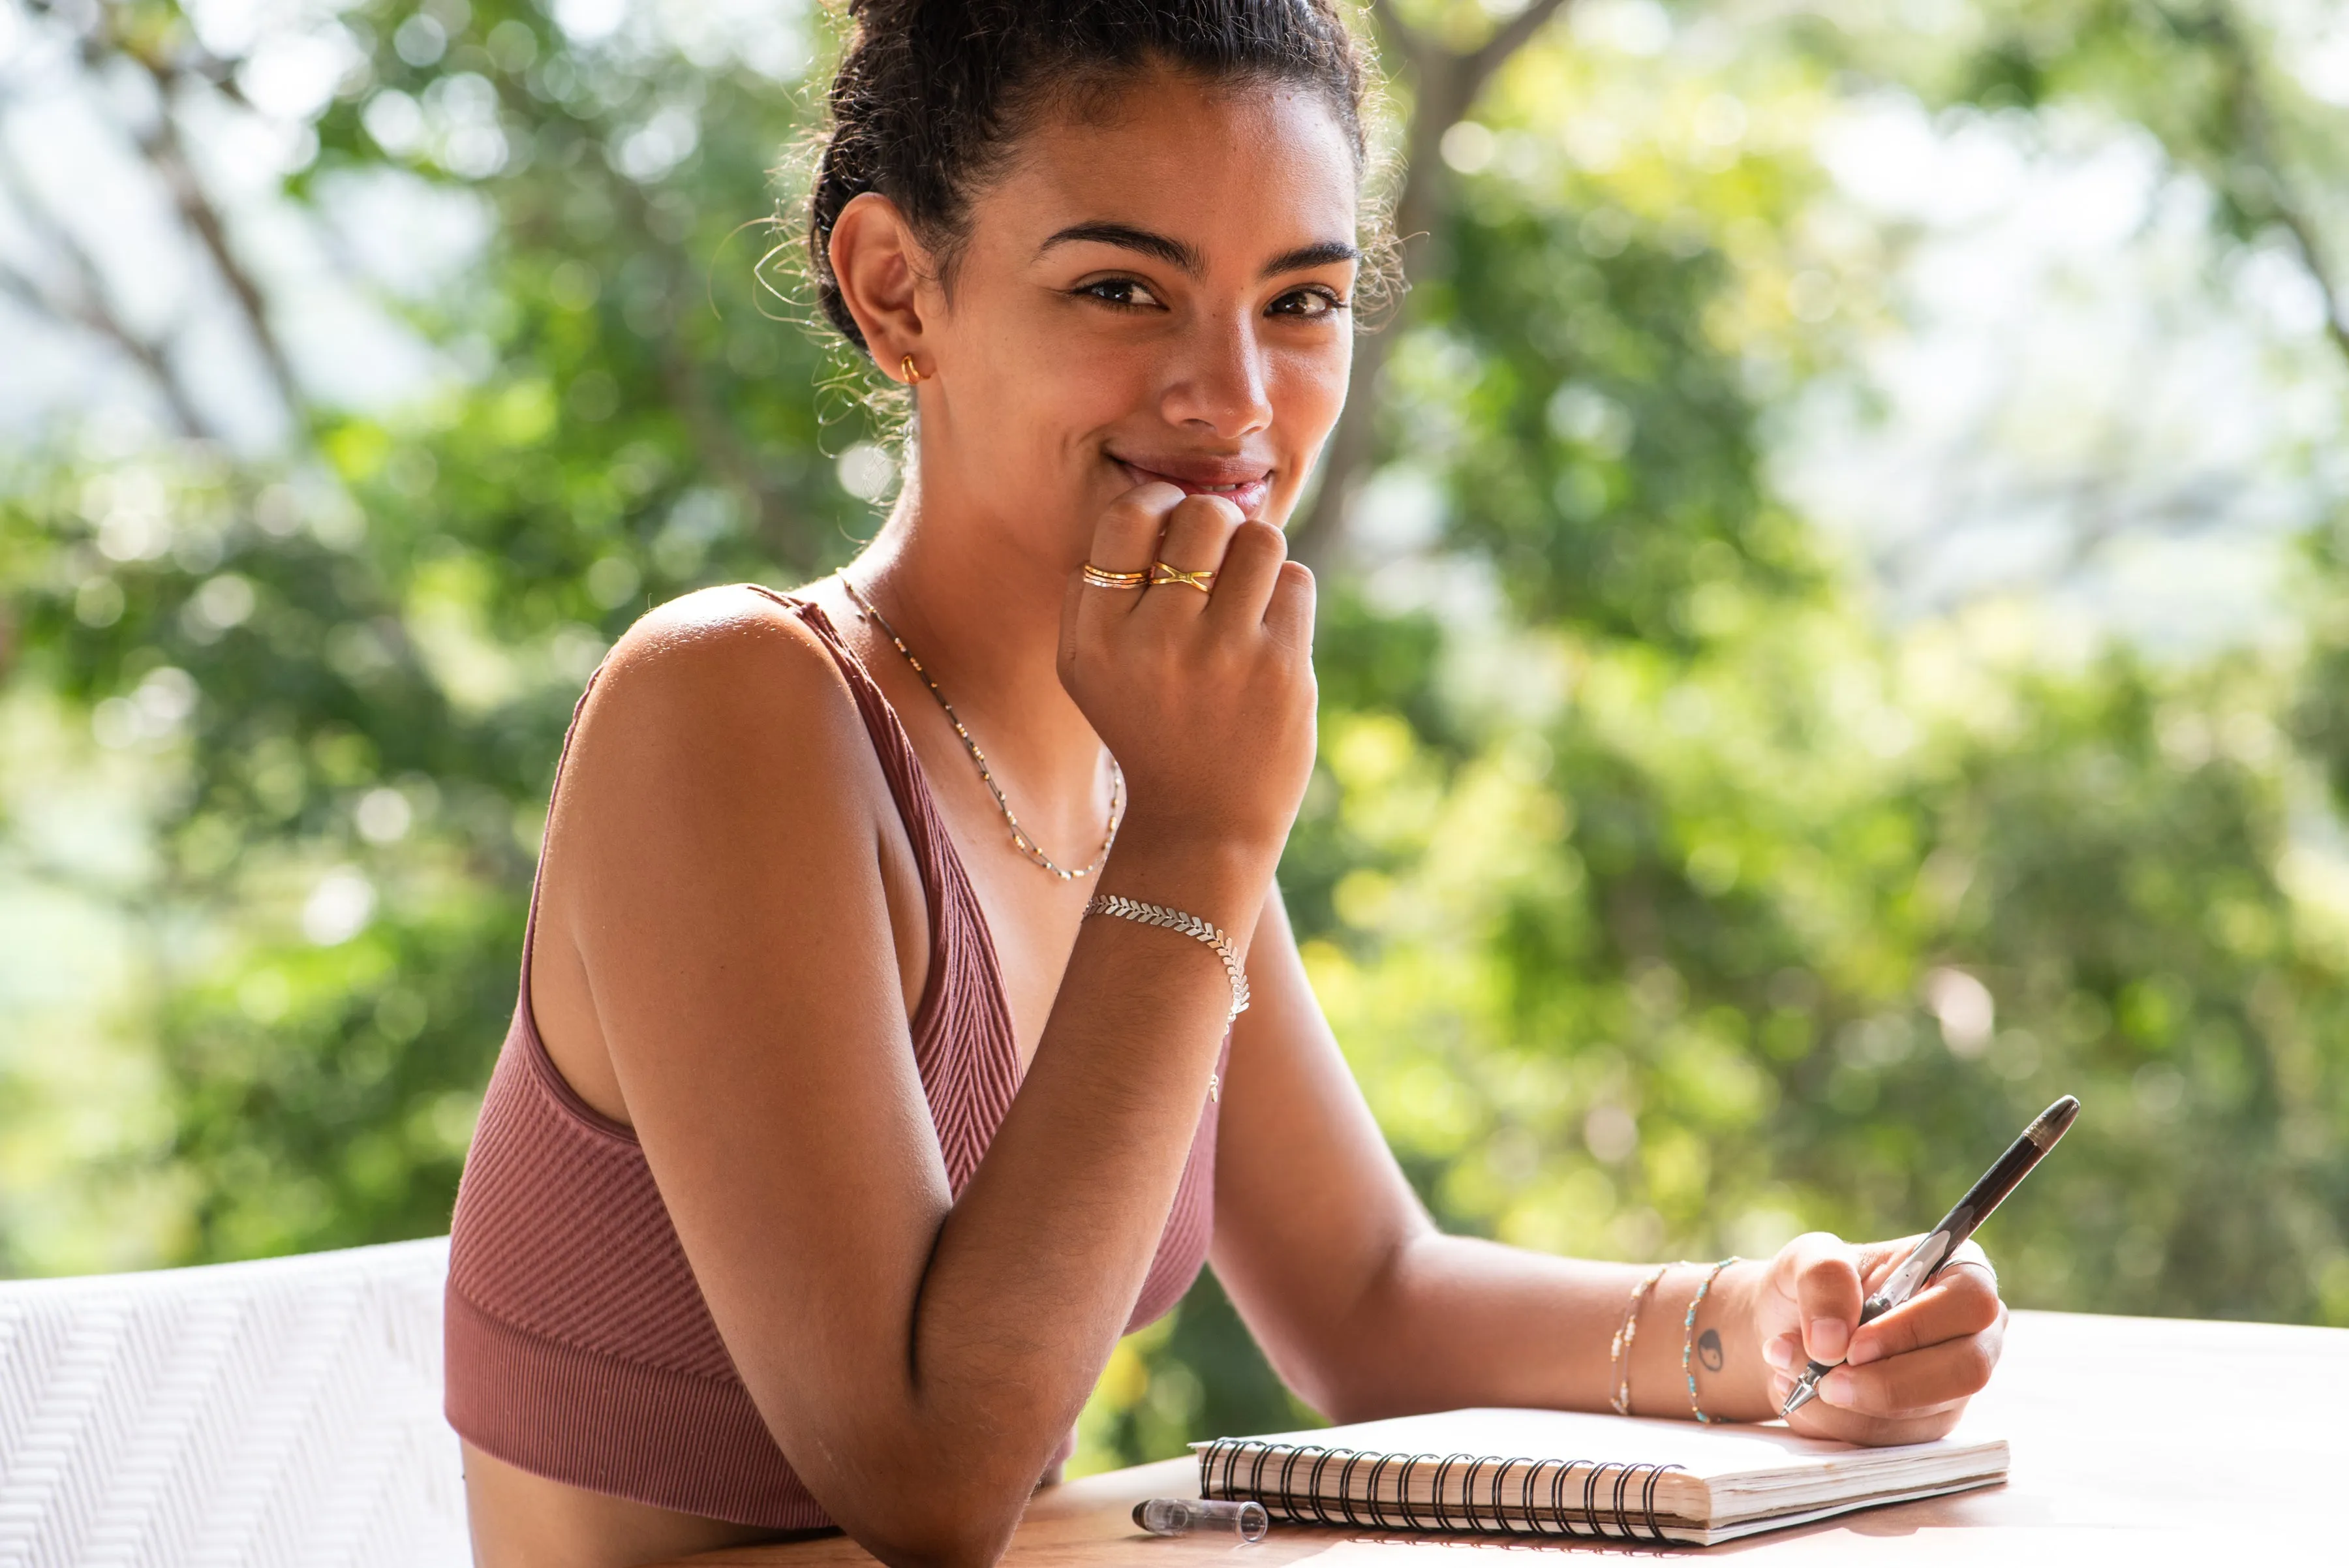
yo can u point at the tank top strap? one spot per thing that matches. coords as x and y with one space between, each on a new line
538 875
963 1040
908 787
933 853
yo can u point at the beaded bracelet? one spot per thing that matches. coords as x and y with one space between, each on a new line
1688 1338
1618 1364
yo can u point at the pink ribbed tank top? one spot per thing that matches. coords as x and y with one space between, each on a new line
579 1345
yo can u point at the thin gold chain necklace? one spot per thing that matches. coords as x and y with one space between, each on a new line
1020 839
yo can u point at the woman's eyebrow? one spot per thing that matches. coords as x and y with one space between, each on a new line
1174 252
1329 252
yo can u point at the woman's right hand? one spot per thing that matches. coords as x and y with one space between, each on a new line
1206 699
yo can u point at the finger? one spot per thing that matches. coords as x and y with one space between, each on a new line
1821 1420
1878 1259
1969 1255
1244 583
1962 1301
1289 617
1197 531
1818 1272
1928 1379
1126 537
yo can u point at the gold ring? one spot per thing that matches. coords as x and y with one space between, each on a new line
1161 573
1099 579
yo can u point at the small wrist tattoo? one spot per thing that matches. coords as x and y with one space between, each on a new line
1708 1349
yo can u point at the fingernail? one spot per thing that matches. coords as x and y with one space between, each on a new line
1836 1388
1785 1353
1862 1353
1829 1337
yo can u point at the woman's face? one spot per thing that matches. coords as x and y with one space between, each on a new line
1158 292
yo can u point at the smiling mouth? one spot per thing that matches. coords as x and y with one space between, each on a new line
1248 491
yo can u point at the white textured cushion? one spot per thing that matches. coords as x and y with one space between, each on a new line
285 1411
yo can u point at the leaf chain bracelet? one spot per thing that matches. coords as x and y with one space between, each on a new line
1191 925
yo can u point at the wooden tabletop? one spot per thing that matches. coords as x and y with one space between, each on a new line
2134 1440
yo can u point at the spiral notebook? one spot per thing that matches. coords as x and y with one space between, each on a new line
1561 1473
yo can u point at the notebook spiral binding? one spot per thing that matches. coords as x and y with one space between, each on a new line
1296 1494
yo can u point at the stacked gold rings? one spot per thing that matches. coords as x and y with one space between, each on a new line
1161 574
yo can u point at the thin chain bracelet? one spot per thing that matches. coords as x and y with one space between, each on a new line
1619 1356
1188 925
1688 1338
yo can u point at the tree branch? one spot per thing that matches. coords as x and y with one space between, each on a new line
91 310
1445 85
1512 36
2255 124
166 153
687 388
1415 46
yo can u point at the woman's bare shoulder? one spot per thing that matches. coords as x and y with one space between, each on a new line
718 760
724 644
722 705
727 667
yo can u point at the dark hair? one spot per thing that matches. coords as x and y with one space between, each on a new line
932 93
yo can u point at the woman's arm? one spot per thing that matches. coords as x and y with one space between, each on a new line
1366 1310
714 861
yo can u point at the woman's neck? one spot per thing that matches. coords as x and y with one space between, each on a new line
980 607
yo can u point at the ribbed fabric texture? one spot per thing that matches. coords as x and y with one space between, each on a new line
578 1347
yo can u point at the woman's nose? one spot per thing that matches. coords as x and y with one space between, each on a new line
1219 384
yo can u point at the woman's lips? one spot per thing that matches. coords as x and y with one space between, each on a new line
1246 486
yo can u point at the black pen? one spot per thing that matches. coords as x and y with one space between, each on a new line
1929 1256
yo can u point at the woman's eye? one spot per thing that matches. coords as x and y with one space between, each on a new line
1307 304
1125 292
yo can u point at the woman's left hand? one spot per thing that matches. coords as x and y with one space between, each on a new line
1903 1378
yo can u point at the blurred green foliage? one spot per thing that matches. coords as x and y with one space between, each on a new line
1667 902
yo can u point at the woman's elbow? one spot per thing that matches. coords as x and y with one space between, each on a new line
1356 1381
941 1526
947 1544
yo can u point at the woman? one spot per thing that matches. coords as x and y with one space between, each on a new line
756 1235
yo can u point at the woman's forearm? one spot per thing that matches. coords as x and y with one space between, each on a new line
1453 1321
1037 1265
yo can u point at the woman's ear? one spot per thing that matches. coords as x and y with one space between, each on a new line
880 267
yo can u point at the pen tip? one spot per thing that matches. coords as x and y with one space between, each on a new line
1803 1395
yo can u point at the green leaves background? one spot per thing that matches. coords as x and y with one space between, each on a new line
1667 896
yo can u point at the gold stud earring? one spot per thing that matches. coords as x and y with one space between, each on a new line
906 369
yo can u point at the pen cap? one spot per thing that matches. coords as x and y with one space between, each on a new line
2052 1123
1185 1515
